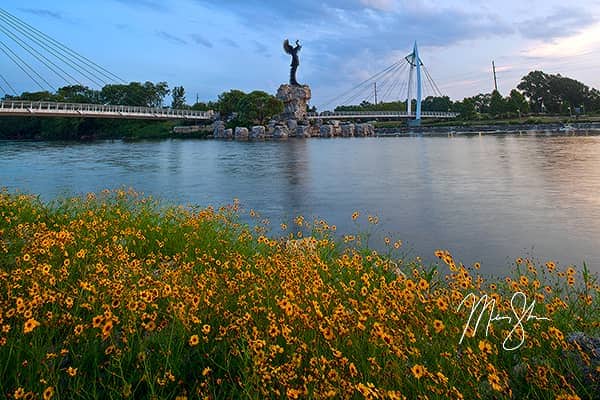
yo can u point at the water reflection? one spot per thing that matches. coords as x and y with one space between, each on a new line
486 198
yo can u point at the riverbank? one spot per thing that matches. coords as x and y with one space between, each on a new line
490 129
116 295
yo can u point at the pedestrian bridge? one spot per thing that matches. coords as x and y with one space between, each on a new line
53 109
378 115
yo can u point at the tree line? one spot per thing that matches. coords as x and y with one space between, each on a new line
537 92
235 106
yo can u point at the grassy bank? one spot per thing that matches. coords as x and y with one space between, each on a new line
117 296
40 128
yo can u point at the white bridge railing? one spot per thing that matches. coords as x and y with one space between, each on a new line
45 108
379 114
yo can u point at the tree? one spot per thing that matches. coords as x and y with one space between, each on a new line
497 104
135 94
228 102
258 107
517 103
78 94
178 94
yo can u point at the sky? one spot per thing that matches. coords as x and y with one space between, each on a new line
211 46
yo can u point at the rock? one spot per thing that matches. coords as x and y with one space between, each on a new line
219 129
326 131
241 132
280 131
347 130
586 347
315 130
303 131
258 132
292 124
228 133
295 99
364 130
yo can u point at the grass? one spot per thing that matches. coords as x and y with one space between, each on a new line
116 295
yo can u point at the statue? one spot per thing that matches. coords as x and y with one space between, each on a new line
293 51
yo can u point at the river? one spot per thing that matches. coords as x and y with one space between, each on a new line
488 198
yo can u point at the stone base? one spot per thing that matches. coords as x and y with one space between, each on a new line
295 100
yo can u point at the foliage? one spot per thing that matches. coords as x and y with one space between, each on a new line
135 94
258 107
178 94
116 296
555 93
229 102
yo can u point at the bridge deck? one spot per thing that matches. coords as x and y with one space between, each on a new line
53 109
378 115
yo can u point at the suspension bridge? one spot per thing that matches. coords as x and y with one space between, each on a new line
44 60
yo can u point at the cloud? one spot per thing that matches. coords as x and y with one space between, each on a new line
170 38
563 22
200 40
42 12
230 43
384 5
260 48
150 4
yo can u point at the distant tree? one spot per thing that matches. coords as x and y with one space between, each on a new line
78 94
516 102
178 94
37 96
258 107
229 102
135 94
466 108
431 103
497 104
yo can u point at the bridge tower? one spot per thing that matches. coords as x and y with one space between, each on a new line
415 64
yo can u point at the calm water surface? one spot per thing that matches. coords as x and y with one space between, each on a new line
485 198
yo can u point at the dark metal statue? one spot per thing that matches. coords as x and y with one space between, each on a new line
293 51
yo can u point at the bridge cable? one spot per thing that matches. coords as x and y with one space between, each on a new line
434 84
35 54
71 63
8 84
389 93
59 56
385 82
367 88
4 91
58 46
4 49
360 84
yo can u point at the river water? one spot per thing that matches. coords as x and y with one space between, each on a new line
487 198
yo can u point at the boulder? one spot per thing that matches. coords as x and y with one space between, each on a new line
326 130
258 132
241 132
303 131
347 130
219 129
228 133
281 131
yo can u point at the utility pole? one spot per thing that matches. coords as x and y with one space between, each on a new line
495 82
375 85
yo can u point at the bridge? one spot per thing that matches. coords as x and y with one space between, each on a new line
43 59
379 115
53 109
